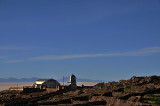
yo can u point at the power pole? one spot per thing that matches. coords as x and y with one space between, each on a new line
63 80
17 89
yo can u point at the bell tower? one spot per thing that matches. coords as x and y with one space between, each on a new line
73 82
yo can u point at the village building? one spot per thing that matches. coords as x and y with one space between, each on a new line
50 85
46 83
16 88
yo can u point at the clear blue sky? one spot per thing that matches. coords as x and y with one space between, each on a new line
94 39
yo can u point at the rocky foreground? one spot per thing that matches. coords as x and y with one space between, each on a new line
137 91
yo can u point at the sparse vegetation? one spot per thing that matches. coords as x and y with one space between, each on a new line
151 98
80 92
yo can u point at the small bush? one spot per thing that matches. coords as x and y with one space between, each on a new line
80 92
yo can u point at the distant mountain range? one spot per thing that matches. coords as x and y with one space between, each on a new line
66 79
18 80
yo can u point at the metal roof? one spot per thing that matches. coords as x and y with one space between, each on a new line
44 79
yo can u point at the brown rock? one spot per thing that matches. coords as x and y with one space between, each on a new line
135 98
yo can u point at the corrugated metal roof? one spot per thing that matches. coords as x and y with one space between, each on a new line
44 79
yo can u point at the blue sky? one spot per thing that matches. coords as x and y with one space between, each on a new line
101 40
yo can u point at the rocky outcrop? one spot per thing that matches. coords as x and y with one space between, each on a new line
136 91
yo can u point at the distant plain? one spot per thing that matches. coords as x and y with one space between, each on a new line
5 86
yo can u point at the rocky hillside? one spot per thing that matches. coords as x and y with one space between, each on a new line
135 91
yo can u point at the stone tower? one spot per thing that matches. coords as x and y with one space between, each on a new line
73 82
